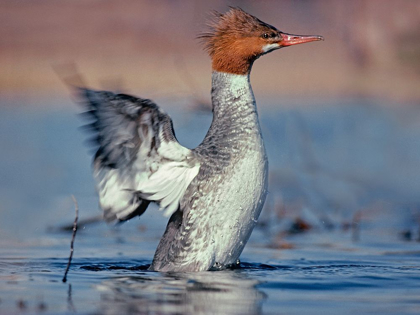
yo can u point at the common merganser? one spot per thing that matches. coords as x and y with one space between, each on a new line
214 193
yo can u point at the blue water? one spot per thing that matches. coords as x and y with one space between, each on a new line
267 282
349 171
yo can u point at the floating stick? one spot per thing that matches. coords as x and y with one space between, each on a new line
76 208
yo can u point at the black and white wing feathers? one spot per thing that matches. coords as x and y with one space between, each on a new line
139 159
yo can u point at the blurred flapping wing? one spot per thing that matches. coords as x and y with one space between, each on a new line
139 159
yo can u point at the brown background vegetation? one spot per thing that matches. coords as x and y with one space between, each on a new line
372 47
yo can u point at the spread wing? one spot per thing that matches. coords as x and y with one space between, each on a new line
139 159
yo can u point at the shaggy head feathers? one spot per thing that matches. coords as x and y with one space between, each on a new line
236 39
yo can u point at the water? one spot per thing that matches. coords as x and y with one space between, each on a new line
314 279
349 173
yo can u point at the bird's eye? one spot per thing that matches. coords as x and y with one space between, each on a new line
265 36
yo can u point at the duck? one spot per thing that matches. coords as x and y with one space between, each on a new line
213 194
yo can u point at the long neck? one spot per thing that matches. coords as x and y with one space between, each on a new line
232 99
234 109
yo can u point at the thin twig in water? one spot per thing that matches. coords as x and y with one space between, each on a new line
76 208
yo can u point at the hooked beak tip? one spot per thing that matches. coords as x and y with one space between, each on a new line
289 39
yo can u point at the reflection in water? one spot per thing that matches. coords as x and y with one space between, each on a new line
222 292
70 304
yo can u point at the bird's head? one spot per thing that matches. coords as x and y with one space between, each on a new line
236 39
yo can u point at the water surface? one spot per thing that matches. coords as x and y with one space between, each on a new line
348 171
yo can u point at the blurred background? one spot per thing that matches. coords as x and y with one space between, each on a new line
341 118
372 47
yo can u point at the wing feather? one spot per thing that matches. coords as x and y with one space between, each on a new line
138 158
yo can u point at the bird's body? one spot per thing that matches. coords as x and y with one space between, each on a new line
226 197
213 193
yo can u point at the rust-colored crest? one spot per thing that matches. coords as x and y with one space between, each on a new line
235 40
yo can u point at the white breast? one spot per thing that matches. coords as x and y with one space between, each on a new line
241 196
